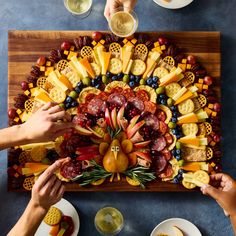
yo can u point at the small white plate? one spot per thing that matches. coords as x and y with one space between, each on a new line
173 4
67 209
165 227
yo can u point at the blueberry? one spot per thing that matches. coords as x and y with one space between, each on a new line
181 171
114 77
93 82
178 151
131 83
137 78
120 75
149 81
80 85
97 86
154 86
132 78
68 105
174 131
155 79
176 180
74 104
77 89
173 152
98 78
163 96
175 114
178 136
178 157
69 99
108 74
174 119
179 177
173 108
163 101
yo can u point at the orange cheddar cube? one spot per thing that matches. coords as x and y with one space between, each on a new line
200 81
205 86
210 105
214 113
156 44
184 61
208 111
27 92
134 41
189 66
18 111
163 47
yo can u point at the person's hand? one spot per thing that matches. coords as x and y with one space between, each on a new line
48 189
46 124
112 5
223 190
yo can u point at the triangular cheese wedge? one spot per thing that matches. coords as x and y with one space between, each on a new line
190 140
126 56
186 96
78 67
43 97
66 82
106 56
151 64
189 118
85 63
53 78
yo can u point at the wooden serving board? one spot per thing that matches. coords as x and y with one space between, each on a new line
24 48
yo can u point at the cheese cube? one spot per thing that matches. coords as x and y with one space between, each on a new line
18 111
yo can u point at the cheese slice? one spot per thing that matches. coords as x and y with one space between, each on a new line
173 76
106 56
78 67
85 63
184 97
129 67
179 94
34 91
25 116
155 56
98 54
151 64
31 168
53 78
189 118
66 82
126 56
190 140
43 97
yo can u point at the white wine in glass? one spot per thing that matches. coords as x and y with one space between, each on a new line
78 7
109 221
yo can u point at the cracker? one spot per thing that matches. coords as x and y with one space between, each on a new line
190 129
209 153
171 89
86 51
202 176
208 128
197 105
115 66
28 183
29 104
57 95
73 77
62 64
202 129
186 107
169 60
38 153
41 81
193 154
160 72
24 157
138 67
96 68
141 52
115 48
188 185
53 216
202 100
188 79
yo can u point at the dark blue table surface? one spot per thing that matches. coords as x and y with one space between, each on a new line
142 211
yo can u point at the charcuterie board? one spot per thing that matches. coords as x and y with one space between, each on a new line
25 47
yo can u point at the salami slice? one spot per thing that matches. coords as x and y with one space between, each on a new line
152 121
80 119
137 103
169 138
166 153
168 171
150 107
117 99
163 127
128 93
96 106
161 115
160 163
142 95
71 169
159 144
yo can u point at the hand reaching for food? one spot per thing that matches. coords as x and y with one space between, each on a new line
111 5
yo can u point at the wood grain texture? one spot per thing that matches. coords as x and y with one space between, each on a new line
24 48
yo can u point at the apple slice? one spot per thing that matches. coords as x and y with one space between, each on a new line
114 118
94 132
86 157
142 144
83 131
120 115
124 123
132 122
87 150
108 118
134 129
143 155
137 138
177 231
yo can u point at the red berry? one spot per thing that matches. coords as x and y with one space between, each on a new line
216 138
162 41
65 45
208 80
218 168
24 85
217 107
191 59
97 36
41 61
12 113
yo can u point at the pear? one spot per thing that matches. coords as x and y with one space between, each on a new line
115 160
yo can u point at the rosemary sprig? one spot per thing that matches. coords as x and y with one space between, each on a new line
140 174
113 133
98 172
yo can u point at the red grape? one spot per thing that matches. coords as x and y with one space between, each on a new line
41 61
65 45
24 85
208 80
97 36
12 113
191 59
162 41
217 107
216 138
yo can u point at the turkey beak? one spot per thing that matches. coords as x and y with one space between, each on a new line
115 150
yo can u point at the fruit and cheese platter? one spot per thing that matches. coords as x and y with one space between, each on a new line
146 109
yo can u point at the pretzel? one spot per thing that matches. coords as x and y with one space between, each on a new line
208 128
29 104
41 81
86 51
28 183
141 52
202 100
209 153
169 60
62 64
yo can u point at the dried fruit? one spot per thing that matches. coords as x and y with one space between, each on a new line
41 61
78 42
53 56
35 71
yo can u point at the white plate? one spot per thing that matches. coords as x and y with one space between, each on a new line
165 227
173 4
67 209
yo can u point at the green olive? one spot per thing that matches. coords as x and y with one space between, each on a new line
86 81
160 90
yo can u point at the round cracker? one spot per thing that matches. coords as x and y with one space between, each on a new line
57 95
190 129
160 72
188 185
186 107
28 183
169 60
38 153
62 64
86 51
171 89
138 67
115 66
53 216
202 100
202 176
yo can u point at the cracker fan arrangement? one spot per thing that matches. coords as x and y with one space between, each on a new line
143 111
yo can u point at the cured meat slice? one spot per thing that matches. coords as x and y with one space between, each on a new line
71 169
96 106
150 107
117 99
168 171
152 121
137 103
159 144
128 93
142 95
166 153
80 119
160 163
163 127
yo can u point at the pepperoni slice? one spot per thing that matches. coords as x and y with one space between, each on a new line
160 163
159 144
82 108
166 153
80 119
152 121
116 90
142 95
96 106
150 107
117 99
71 169
89 97
103 96
128 93
137 103
163 127
161 115
167 172
169 138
